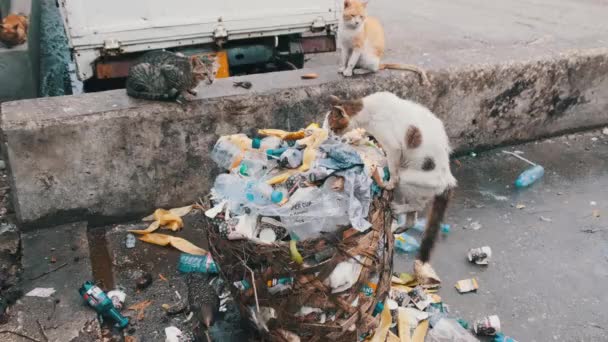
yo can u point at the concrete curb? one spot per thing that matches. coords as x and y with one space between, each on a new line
105 155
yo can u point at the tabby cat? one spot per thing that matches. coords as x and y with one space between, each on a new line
164 75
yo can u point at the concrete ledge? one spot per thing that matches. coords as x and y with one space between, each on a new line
105 155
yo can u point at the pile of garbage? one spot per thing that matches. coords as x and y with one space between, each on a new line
301 228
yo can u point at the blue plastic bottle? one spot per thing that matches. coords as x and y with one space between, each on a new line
502 338
529 176
405 243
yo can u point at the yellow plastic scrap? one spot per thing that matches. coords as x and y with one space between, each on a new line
392 337
283 135
295 254
385 324
315 137
420 331
177 242
403 325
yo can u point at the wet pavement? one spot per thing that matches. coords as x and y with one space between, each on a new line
548 278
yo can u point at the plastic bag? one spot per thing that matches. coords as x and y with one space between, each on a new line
449 330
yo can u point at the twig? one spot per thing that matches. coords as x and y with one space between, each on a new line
255 290
46 338
520 157
50 271
19 334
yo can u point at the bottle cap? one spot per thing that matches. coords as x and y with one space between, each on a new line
256 143
276 196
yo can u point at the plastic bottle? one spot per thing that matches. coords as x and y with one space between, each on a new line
529 176
99 301
420 225
406 244
231 188
502 338
262 194
196 263
448 330
225 153
266 143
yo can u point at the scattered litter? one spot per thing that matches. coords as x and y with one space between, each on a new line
529 176
53 259
42 292
118 298
162 277
144 281
520 206
102 304
419 297
177 242
593 203
130 240
475 225
594 139
605 131
242 84
595 213
467 285
426 275
473 154
197 263
140 308
406 243
310 76
173 334
447 330
480 256
487 326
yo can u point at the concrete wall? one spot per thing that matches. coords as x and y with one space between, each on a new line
106 155
20 65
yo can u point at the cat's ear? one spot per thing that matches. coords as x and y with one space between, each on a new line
334 100
341 111
347 3
364 3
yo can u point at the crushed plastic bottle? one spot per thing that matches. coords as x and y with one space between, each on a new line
449 330
502 338
406 243
225 153
189 263
529 176
130 240
420 225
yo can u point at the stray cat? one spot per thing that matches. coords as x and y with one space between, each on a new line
14 30
164 75
417 150
361 40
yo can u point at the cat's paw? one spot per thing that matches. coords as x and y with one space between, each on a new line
347 72
340 70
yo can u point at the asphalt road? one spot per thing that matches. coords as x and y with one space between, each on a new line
452 32
548 279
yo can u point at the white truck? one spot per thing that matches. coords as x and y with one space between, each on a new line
105 35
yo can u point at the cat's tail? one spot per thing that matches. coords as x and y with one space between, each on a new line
409 67
148 96
433 224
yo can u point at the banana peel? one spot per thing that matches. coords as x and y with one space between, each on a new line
384 326
177 242
170 219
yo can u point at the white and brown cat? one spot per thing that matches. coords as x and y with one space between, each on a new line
361 41
417 149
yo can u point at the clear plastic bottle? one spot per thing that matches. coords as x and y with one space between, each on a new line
529 176
261 194
225 153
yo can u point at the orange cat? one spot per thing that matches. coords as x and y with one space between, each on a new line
14 30
361 39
